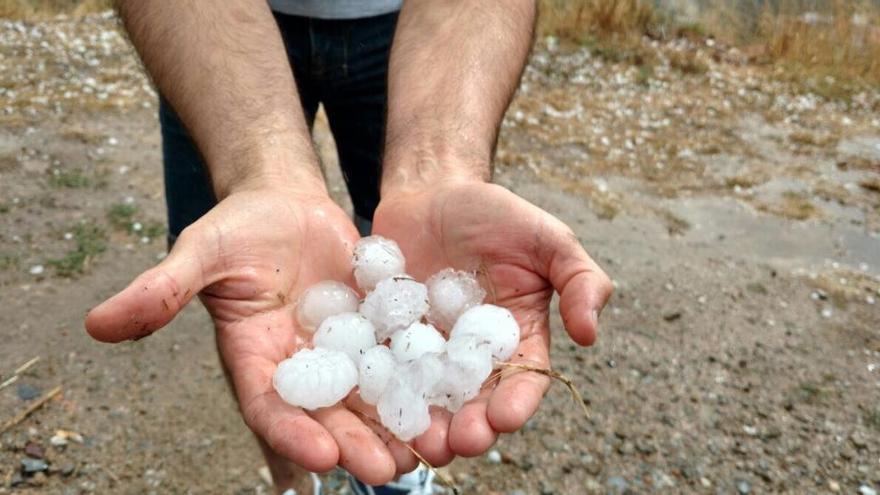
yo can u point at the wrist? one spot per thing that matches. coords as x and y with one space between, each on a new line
418 169
272 170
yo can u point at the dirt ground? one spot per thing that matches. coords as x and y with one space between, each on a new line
738 216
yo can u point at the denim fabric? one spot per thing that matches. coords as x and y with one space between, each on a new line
342 64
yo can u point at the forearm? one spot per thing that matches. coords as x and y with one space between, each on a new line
223 68
453 70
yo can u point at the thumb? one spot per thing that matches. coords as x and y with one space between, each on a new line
583 287
153 299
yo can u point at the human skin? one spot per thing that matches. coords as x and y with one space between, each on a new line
454 67
453 70
274 232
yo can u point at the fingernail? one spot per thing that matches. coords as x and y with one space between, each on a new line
594 318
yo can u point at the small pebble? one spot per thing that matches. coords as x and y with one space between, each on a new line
39 479
37 270
34 450
494 457
617 484
867 490
28 392
743 487
30 466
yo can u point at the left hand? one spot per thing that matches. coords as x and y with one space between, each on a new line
525 253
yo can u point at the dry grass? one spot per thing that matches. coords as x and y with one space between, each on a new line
793 206
830 48
41 9
579 20
837 49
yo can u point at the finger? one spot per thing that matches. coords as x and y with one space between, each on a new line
433 444
404 460
361 452
152 299
583 287
286 429
518 395
470 433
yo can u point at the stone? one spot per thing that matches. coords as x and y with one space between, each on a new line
39 479
858 440
552 443
34 450
494 457
31 466
592 487
626 448
591 464
743 487
67 468
867 490
645 447
28 392
16 480
616 484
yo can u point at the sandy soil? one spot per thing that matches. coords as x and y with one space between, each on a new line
738 217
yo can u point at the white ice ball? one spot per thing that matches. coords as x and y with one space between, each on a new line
350 333
491 324
314 378
375 259
395 304
324 299
456 386
471 354
415 340
451 293
403 411
423 374
375 370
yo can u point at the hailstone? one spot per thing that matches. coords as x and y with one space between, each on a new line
350 333
375 259
314 378
471 354
457 386
395 304
491 324
415 340
403 410
423 374
374 372
324 299
452 292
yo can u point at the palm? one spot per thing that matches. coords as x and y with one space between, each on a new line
523 253
249 259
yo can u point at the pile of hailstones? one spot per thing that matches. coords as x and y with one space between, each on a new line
419 367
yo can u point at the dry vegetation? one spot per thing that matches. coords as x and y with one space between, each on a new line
834 51
41 9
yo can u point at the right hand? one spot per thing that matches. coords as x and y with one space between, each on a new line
249 259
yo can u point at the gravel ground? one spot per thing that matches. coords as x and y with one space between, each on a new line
739 217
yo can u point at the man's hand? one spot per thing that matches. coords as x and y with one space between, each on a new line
454 67
525 253
249 259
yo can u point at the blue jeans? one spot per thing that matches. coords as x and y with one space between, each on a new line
342 64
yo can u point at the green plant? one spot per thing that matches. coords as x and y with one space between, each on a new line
121 215
90 241
70 179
